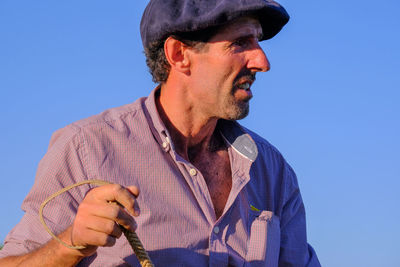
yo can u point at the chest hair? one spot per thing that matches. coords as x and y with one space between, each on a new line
216 170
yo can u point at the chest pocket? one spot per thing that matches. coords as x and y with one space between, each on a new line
264 242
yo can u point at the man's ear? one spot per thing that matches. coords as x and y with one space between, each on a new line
175 52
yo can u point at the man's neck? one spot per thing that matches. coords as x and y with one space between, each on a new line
191 132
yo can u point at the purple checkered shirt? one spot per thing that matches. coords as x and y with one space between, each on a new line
263 223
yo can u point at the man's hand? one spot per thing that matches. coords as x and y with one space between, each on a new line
98 216
95 224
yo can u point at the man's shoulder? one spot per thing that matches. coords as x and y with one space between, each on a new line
117 119
111 115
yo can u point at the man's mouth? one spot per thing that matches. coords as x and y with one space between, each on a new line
243 91
244 86
245 81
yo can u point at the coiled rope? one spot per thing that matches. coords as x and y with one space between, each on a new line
132 237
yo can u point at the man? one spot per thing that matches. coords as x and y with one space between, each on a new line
198 188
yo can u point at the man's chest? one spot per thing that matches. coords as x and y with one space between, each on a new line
216 171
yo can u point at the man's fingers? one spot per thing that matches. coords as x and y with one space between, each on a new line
110 211
102 212
127 197
119 215
135 191
105 226
117 193
99 239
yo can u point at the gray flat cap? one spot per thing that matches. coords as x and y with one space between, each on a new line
162 18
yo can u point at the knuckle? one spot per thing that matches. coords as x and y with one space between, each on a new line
83 207
134 190
80 220
115 212
84 211
117 189
131 201
77 223
120 213
102 240
109 227
91 193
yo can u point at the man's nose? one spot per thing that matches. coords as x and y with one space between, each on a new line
258 61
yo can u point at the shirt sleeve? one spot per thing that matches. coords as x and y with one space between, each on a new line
294 251
62 165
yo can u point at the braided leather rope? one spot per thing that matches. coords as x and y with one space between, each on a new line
137 247
132 237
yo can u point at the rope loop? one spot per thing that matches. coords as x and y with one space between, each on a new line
132 237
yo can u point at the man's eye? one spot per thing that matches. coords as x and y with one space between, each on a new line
241 42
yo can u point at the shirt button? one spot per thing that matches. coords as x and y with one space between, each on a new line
216 229
193 172
164 144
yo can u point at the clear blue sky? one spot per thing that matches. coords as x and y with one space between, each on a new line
330 104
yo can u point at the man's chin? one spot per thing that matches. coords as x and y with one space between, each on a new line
239 112
242 115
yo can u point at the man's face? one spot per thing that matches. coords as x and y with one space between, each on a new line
224 69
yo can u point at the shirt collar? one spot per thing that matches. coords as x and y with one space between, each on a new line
156 125
239 139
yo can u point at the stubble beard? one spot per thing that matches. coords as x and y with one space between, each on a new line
233 108
236 110
239 109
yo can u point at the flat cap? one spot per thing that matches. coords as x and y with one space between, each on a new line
162 18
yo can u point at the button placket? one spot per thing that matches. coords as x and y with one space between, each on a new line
218 248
